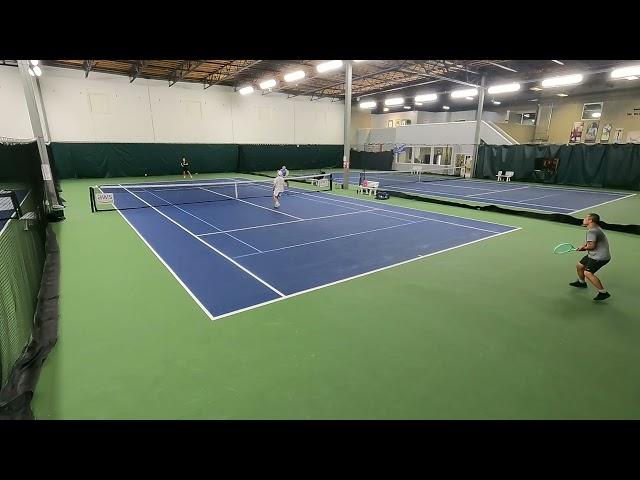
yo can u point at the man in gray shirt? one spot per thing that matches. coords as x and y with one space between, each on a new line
598 255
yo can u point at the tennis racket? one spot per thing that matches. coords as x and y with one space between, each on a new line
564 248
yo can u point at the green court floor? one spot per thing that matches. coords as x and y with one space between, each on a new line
487 331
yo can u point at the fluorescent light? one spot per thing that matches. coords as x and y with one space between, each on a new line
429 97
558 62
385 109
632 77
406 107
469 92
503 67
562 94
394 101
468 98
632 71
536 89
367 105
596 114
444 107
526 115
31 72
246 90
326 66
293 76
506 88
37 71
419 104
561 81
496 103
534 100
268 84
358 61
34 62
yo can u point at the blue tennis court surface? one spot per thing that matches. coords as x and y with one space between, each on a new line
237 254
510 194
6 207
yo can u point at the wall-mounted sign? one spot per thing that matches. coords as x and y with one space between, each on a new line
617 136
592 132
576 132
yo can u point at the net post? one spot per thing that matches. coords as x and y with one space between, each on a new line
16 203
331 182
92 199
235 189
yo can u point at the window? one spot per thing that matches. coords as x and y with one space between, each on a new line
591 111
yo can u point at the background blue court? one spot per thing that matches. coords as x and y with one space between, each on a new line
510 194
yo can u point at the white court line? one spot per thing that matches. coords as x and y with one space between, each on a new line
175 275
538 198
286 223
427 218
436 220
332 238
532 185
211 247
13 215
169 204
336 198
302 292
441 183
495 191
497 201
549 187
603 203
250 203
408 214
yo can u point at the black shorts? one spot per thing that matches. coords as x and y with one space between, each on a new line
185 169
592 265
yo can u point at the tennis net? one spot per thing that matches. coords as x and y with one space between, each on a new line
144 195
390 178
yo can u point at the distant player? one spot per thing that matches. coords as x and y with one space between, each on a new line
598 255
285 172
278 188
185 168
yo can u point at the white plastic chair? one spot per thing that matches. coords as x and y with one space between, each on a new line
499 175
508 175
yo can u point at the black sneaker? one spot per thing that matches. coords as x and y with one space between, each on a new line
602 296
578 284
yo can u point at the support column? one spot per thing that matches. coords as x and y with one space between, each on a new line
476 140
36 126
347 124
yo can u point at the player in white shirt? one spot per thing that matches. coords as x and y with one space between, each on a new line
278 188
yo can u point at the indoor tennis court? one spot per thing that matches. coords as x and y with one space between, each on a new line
148 275
546 199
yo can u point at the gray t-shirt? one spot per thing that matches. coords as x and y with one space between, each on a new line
601 251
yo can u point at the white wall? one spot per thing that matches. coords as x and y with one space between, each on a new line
108 108
14 116
450 133
382 120
468 115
